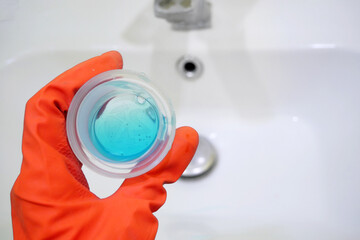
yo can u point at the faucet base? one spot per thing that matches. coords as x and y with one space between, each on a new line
184 14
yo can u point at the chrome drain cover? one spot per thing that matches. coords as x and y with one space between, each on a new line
203 161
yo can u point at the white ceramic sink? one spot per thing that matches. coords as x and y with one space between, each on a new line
278 98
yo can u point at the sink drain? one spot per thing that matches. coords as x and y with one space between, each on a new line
189 67
203 161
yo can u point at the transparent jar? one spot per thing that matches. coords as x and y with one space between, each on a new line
119 124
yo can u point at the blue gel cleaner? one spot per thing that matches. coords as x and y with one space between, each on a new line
125 127
119 124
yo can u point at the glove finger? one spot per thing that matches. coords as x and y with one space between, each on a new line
148 187
49 165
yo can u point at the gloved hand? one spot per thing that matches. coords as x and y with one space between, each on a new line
51 199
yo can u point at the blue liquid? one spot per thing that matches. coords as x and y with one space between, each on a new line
124 128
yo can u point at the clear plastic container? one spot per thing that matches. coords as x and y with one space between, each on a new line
119 124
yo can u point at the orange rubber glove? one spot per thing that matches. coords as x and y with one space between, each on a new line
51 199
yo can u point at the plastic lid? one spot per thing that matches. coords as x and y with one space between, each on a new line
119 124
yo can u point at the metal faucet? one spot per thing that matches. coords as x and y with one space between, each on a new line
184 14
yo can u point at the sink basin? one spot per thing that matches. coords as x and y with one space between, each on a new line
278 98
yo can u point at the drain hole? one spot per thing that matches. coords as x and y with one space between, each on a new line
189 67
